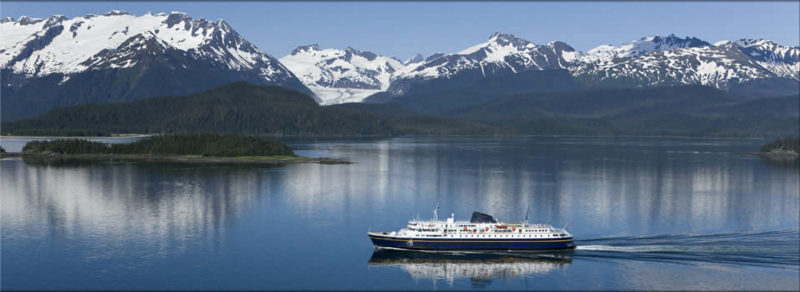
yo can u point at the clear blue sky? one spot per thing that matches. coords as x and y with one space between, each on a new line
403 29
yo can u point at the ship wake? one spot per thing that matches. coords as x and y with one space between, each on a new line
778 249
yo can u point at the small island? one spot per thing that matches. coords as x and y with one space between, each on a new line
782 148
198 148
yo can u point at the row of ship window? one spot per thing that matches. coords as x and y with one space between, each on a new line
523 235
494 230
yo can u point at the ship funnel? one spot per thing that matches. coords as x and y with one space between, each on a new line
478 217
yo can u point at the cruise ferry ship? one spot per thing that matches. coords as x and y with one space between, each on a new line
481 232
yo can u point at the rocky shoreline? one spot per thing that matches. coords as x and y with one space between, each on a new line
783 154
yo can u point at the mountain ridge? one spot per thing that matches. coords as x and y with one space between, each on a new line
650 61
57 61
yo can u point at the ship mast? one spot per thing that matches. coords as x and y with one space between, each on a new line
526 215
436 213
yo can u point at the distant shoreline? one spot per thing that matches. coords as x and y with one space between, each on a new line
401 136
81 137
269 160
779 154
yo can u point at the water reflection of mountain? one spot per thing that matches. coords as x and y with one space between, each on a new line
164 207
602 185
479 268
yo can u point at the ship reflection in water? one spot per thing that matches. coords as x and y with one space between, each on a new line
478 267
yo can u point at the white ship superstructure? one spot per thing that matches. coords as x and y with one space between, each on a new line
481 232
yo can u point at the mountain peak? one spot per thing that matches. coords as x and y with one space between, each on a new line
115 13
415 59
55 19
745 42
306 48
502 36
24 20
175 18
366 54
674 41
498 39
560 46
655 38
506 39
221 24
498 34
643 46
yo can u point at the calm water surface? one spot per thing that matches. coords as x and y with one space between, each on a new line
646 213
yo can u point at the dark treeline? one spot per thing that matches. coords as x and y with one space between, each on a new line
698 111
210 145
63 131
782 144
406 122
237 108
241 108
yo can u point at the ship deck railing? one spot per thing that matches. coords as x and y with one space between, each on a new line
460 224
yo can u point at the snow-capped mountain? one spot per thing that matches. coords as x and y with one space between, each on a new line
650 61
418 58
501 54
724 65
121 50
776 58
641 47
339 76
56 62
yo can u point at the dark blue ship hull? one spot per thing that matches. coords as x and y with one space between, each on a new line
472 243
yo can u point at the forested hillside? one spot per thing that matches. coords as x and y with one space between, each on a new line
680 111
439 96
407 122
242 108
237 108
